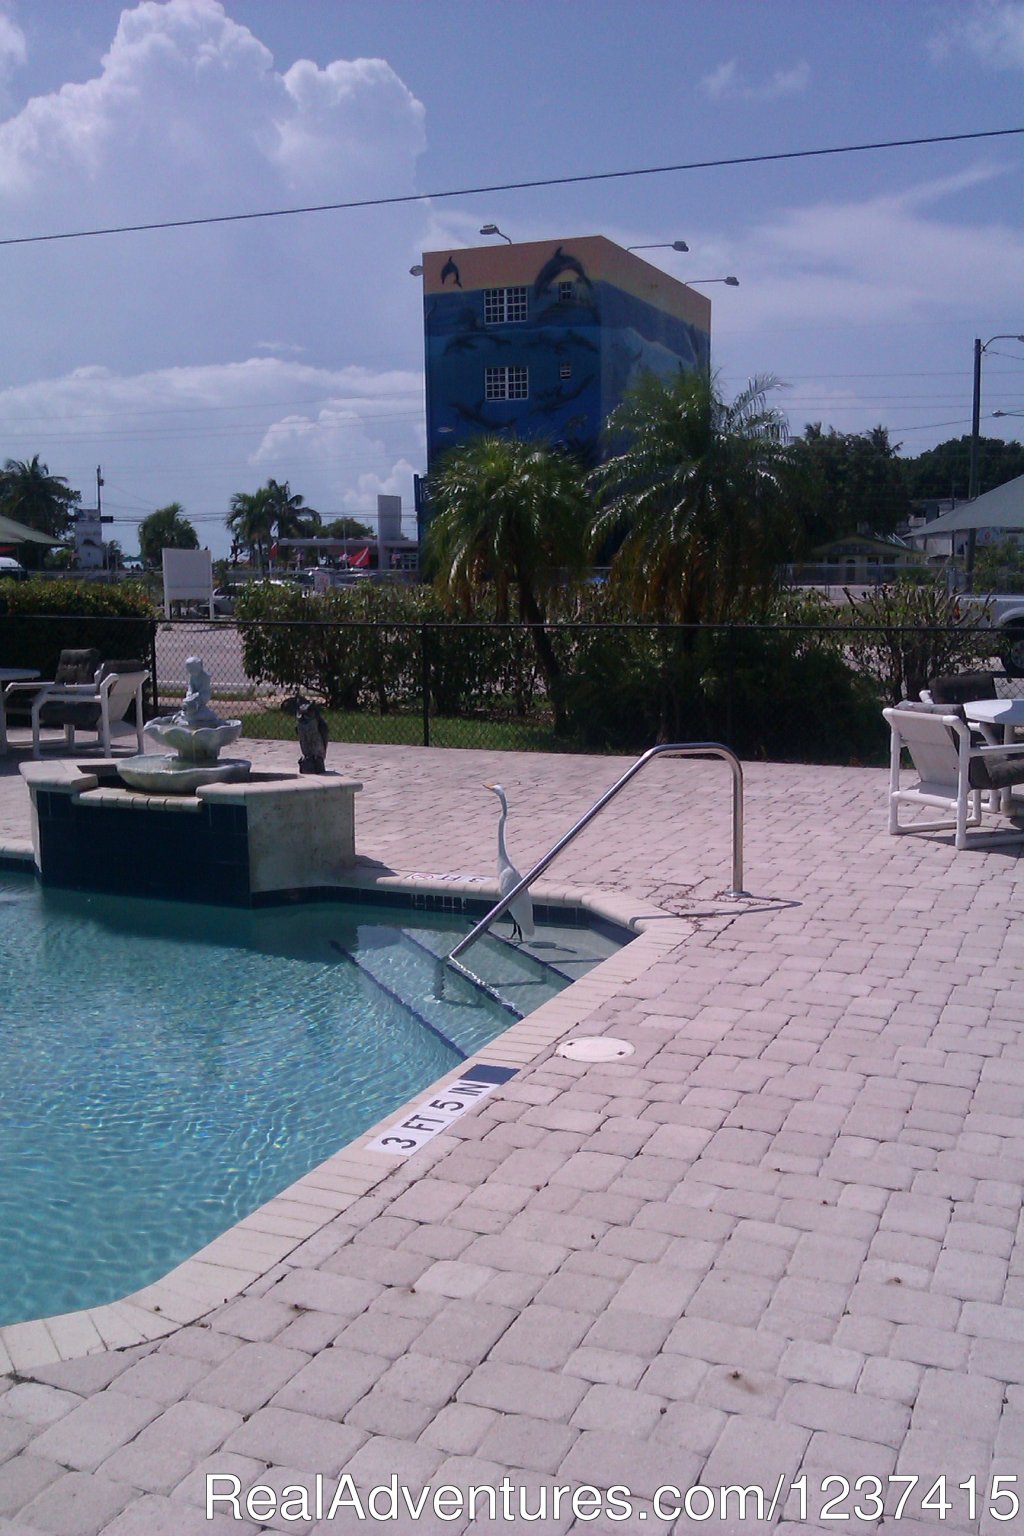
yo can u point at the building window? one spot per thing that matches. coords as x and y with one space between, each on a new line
565 370
502 305
566 292
507 383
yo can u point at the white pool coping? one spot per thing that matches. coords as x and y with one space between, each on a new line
249 1249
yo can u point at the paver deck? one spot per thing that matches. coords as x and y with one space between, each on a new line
782 1240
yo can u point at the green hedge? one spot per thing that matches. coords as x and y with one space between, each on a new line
40 618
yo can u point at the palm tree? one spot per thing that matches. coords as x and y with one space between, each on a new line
509 513
292 519
258 518
251 521
697 492
166 528
31 495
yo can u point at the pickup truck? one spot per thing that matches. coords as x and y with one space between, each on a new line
1005 613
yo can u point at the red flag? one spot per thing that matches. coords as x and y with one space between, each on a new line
362 558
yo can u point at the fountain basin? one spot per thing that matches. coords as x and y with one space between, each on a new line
169 773
194 743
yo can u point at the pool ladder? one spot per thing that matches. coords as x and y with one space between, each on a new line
673 749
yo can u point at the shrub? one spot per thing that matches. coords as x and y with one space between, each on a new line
903 635
40 618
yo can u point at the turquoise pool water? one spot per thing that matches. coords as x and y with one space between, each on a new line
165 1068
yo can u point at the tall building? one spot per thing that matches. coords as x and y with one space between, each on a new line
543 339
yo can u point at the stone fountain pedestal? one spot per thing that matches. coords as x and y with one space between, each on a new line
196 736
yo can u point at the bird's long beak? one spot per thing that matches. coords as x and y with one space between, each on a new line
488 786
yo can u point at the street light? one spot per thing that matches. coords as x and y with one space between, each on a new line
730 282
415 271
492 229
972 473
661 245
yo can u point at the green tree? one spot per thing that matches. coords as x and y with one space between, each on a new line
258 518
31 495
699 491
853 481
251 521
290 517
347 528
166 528
945 469
513 514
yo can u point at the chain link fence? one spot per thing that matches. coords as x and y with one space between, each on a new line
811 693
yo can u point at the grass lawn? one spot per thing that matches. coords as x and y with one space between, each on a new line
407 730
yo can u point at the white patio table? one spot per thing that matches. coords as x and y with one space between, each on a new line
11 675
996 719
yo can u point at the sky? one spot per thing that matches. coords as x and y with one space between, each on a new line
193 363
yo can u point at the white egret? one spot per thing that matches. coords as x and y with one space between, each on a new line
521 910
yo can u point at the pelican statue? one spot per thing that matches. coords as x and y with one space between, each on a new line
521 910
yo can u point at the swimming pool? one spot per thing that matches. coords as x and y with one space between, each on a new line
166 1067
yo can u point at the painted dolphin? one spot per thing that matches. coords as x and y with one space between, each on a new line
560 262
450 270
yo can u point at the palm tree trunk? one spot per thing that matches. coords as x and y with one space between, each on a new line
532 614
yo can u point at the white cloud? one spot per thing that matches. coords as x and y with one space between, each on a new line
13 50
728 83
198 434
993 32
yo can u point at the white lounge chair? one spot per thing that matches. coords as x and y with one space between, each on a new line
97 706
954 775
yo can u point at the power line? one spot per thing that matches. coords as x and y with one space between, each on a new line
515 186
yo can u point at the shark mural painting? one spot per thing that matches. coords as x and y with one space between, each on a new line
544 339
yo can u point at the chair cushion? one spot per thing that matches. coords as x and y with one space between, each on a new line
134 665
84 713
77 666
963 687
918 707
996 770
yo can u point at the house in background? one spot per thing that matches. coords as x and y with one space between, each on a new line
543 339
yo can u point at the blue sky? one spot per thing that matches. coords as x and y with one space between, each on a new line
194 363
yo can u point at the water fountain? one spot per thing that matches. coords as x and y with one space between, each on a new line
188 824
196 735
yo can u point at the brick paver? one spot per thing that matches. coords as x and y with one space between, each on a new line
782 1238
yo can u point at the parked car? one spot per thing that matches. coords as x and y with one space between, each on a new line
224 600
11 567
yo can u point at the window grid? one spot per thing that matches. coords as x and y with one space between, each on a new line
504 305
508 382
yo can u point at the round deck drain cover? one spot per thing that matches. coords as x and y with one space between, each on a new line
595 1048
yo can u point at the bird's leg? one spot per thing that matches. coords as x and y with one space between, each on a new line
517 932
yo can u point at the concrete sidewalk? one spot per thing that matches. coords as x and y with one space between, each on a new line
780 1242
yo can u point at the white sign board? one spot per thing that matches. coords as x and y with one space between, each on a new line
188 578
422 1123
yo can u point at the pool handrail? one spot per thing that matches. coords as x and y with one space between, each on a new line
676 749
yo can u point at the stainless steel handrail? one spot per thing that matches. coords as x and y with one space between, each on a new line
676 749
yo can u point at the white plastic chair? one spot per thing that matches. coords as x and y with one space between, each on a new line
953 774
98 706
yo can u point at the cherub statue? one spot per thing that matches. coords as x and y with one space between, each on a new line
196 705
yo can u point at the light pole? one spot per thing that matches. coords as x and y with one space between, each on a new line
730 282
980 347
661 245
492 229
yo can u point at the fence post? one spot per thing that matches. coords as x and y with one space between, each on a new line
425 680
730 683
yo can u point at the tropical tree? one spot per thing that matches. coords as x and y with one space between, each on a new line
166 528
347 528
853 481
31 495
698 492
258 518
251 522
292 519
511 514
